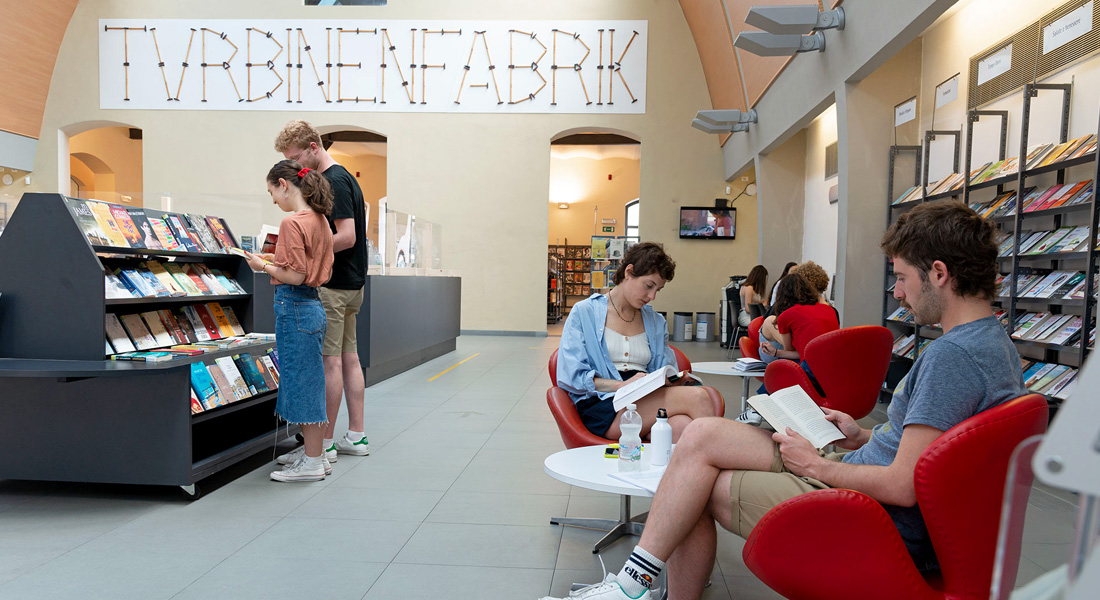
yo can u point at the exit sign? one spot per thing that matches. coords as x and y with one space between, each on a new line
609 230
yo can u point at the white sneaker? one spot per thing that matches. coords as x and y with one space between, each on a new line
608 589
291 457
343 445
750 417
299 471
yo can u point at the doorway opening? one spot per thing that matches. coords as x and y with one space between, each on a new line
595 178
105 163
363 154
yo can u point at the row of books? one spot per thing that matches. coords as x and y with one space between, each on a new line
155 279
907 346
115 225
902 314
232 378
1051 379
196 349
1066 285
1036 199
1063 239
576 290
576 265
190 324
1037 156
585 277
1060 330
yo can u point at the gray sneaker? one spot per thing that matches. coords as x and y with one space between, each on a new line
345 446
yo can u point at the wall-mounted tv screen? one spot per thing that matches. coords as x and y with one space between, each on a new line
708 223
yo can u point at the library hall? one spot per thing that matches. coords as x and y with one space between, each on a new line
648 299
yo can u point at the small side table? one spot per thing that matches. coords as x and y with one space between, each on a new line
728 368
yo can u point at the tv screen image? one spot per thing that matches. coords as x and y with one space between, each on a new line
708 223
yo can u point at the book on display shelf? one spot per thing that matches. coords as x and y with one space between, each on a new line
144 228
126 225
220 320
234 324
252 374
270 364
165 278
156 329
240 387
164 233
138 332
101 211
225 390
196 406
269 379
204 387
116 335
182 279
87 222
208 321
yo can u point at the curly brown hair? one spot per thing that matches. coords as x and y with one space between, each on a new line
297 135
793 290
951 232
647 257
814 274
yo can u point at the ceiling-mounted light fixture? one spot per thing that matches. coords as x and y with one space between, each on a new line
563 205
723 121
784 28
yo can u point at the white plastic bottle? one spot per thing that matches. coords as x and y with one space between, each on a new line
660 440
630 440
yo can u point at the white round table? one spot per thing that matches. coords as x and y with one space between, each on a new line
586 467
728 368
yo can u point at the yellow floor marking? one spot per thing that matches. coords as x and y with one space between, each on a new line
452 366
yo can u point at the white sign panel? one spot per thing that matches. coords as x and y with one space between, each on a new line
905 112
596 67
1068 28
947 92
995 64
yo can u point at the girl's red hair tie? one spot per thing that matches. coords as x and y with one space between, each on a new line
303 172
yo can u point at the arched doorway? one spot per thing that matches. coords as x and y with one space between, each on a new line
105 163
595 174
363 154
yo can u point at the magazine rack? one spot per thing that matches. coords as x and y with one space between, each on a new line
124 422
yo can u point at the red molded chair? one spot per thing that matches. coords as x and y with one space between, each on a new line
850 366
960 482
574 435
750 342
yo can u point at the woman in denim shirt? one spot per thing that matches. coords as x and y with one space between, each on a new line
611 339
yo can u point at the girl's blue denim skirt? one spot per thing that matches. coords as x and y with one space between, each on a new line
299 335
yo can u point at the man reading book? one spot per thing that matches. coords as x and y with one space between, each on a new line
730 473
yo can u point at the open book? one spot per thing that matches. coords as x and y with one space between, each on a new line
244 255
638 389
791 407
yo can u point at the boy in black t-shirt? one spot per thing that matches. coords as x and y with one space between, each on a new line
342 296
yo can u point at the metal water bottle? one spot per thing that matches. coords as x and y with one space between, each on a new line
660 440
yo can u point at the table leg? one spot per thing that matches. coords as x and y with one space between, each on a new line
745 382
626 525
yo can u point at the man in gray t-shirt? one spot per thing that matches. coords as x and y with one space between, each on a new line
730 473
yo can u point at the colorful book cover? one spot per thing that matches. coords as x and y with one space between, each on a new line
126 225
274 354
218 228
204 386
183 236
159 289
223 228
1027 244
102 213
87 222
116 334
198 225
211 282
1072 239
222 383
220 319
234 323
196 406
236 380
144 228
252 377
183 279
1062 336
269 379
197 329
156 328
197 280
208 322
171 325
113 287
135 282
138 332
163 233
228 282
159 271
1069 381
270 364
1037 374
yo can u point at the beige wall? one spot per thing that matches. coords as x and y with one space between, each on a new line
820 217
781 200
484 177
115 164
583 184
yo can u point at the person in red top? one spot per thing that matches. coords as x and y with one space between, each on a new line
801 316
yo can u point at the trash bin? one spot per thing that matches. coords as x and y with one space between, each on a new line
681 327
704 327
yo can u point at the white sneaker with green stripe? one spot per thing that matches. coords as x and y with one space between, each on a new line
345 446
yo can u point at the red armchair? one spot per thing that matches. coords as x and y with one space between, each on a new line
960 481
850 366
750 342
574 434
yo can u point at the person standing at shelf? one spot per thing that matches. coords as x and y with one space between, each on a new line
302 262
342 296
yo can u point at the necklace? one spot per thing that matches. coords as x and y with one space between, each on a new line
631 320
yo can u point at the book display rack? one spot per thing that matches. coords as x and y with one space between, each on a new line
555 292
127 420
1046 292
575 275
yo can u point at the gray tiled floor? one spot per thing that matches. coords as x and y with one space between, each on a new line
452 503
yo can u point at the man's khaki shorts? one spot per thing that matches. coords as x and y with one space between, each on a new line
341 306
754 493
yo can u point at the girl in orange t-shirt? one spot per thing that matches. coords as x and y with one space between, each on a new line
302 261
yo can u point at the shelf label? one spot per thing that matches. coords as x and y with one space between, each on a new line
947 92
905 112
1068 28
995 64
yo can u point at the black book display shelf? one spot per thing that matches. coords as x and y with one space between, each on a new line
1027 207
123 422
